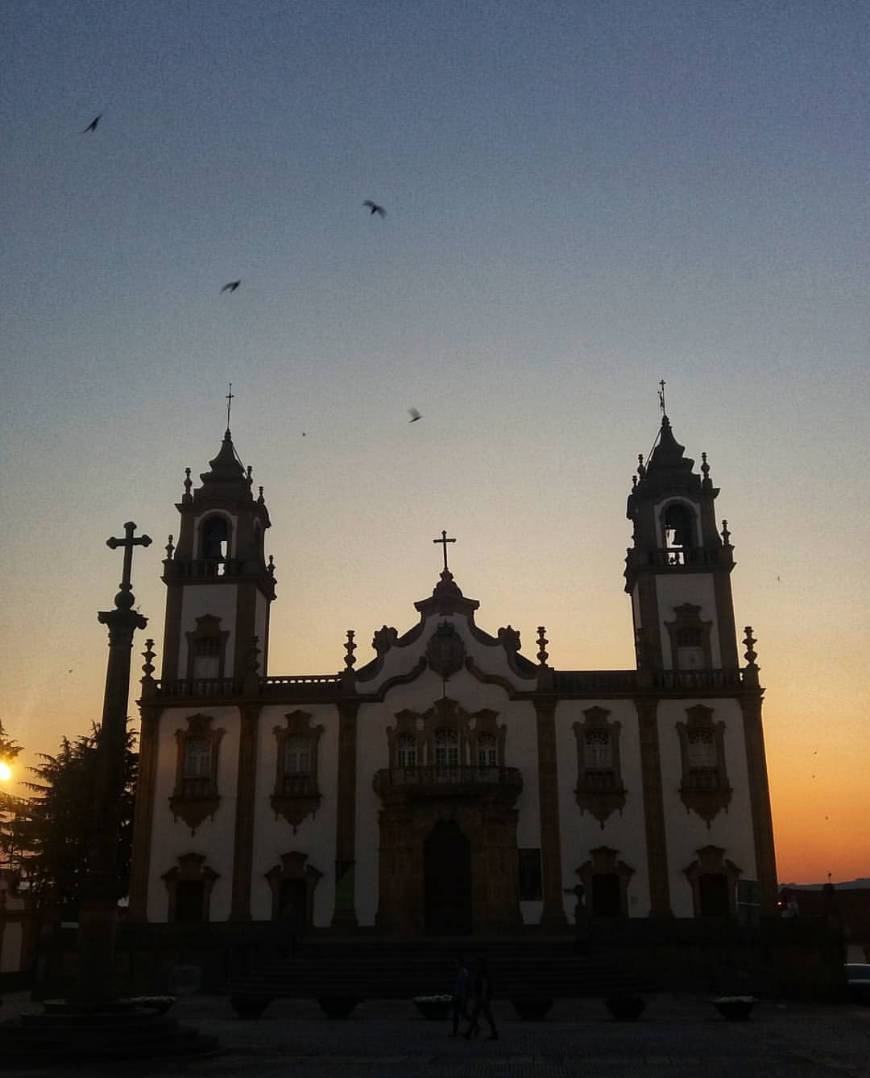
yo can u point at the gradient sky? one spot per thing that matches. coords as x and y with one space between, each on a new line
582 198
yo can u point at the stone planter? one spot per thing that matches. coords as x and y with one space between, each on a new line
434 1008
337 1006
625 1007
249 1007
735 1008
532 1008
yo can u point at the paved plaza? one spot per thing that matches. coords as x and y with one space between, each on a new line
678 1035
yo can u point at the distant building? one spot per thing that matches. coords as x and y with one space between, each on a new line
452 784
849 906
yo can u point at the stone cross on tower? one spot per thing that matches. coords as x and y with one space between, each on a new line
444 541
230 398
128 542
662 395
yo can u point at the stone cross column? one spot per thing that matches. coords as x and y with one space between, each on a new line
98 913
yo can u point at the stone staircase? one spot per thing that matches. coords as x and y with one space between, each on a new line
391 969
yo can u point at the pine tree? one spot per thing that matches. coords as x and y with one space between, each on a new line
55 823
9 803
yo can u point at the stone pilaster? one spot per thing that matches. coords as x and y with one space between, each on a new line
759 800
246 789
344 912
143 820
653 808
553 915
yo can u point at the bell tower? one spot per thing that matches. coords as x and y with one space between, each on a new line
219 586
678 569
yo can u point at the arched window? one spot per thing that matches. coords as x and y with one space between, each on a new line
197 758
487 751
297 755
215 539
678 526
597 750
406 750
446 748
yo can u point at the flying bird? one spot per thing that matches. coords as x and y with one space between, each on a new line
230 286
375 208
92 126
415 415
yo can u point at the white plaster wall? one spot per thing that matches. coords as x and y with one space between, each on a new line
171 838
686 832
373 754
10 956
580 831
315 835
678 588
216 599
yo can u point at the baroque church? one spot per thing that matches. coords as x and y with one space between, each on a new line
453 784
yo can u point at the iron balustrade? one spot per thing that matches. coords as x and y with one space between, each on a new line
448 775
704 780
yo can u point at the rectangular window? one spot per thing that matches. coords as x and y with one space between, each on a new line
530 875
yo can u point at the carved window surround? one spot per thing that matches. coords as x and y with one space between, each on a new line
297 793
196 796
191 868
600 789
207 639
687 630
604 861
712 861
474 731
704 788
293 866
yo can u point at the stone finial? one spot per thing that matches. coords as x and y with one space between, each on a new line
509 638
750 642
169 549
384 639
250 475
260 499
705 468
641 469
349 648
634 482
726 535
270 568
188 483
148 666
542 646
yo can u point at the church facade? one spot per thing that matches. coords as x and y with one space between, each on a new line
453 784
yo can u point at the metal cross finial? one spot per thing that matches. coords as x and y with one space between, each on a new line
444 541
230 399
662 395
124 597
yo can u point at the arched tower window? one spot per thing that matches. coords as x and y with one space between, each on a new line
678 526
215 539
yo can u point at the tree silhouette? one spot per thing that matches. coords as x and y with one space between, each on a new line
53 825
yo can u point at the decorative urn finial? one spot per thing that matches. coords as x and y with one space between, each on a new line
349 649
542 646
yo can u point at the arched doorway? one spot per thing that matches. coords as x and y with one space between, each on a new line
447 880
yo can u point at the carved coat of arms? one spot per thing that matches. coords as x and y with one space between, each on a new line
445 651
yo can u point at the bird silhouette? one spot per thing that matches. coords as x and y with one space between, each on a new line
373 207
230 286
415 415
92 126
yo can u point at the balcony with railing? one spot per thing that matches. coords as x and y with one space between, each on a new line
203 568
436 780
696 680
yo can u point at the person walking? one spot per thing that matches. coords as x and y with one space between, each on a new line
460 994
480 995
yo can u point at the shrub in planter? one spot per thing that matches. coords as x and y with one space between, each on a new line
532 1008
249 1006
624 1006
434 1008
735 1008
337 1006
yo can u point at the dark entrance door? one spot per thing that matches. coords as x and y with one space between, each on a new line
713 895
447 880
606 895
292 905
